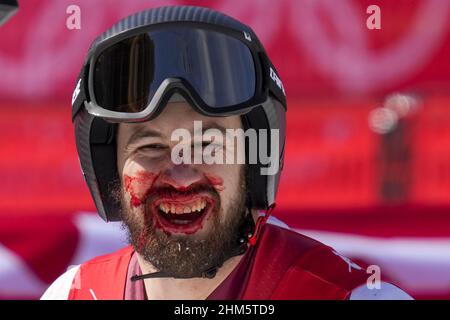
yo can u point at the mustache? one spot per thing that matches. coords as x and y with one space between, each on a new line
170 192
117 193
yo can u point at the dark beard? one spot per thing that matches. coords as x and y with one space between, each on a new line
188 256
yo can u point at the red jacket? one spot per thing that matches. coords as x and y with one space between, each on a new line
282 265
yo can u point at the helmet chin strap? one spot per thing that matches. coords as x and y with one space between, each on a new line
248 236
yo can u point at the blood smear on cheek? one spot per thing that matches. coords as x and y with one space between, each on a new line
138 186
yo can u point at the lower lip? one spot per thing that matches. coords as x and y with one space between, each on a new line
186 228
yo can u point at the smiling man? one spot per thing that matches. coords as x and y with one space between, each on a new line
182 219
199 227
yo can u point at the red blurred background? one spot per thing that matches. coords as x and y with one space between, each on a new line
367 165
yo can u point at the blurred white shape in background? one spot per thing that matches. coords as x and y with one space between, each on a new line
402 104
383 120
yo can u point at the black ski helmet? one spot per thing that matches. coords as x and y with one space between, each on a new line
95 136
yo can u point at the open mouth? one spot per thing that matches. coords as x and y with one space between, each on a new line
183 215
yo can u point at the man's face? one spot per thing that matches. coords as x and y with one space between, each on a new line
182 218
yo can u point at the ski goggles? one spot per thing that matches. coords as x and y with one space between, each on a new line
220 71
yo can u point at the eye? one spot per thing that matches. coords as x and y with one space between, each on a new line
154 146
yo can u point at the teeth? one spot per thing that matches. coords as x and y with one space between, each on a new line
197 206
163 208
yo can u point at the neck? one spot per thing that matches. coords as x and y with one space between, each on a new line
184 289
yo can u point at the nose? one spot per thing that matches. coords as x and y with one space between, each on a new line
181 176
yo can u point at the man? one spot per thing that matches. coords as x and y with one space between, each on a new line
191 205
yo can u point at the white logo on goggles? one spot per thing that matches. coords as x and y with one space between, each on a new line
247 36
277 80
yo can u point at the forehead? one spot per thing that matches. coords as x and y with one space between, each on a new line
179 115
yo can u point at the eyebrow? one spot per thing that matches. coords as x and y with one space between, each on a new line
143 133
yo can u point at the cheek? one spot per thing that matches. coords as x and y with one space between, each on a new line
138 185
226 180
138 162
137 180
131 167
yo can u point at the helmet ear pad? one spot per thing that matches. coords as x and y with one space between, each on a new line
96 146
261 188
256 182
104 154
